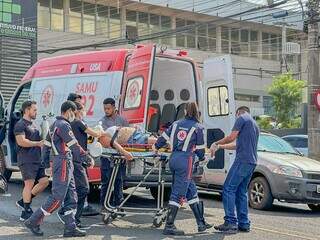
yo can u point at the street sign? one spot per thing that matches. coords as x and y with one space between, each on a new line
317 99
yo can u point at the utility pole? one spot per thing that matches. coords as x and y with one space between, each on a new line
313 79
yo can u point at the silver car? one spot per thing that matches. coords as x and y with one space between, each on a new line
282 173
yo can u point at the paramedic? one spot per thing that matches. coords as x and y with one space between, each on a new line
29 158
62 142
186 140
87 210
81 131
111 118
235 188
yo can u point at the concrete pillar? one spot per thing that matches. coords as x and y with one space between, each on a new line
173 37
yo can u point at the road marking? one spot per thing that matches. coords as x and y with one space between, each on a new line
284 233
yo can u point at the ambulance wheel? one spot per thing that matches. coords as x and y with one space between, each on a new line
107 218
157 221
167 192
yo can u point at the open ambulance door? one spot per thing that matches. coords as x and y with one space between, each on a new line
136 85
219 114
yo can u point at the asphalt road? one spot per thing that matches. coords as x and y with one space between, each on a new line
283 222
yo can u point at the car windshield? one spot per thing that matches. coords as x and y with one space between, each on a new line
271 143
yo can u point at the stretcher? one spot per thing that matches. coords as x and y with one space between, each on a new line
156 164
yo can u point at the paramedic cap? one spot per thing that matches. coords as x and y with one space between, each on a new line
111 130
73 96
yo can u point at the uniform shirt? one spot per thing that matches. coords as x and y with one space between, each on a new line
117 120
79 128
27 154
247 139
63 139
185 137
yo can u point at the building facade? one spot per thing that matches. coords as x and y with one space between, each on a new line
68 26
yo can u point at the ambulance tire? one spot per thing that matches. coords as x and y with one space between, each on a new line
167 192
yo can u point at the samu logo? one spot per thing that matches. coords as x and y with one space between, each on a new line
7 9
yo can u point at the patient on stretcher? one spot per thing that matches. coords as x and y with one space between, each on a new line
125 136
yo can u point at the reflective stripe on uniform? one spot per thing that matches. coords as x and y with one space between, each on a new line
165 136
72 142
198 147
173 130
193 201
173 203
188 138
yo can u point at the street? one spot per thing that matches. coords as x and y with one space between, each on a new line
284 222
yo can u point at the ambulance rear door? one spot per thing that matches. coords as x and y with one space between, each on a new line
219 114
136 85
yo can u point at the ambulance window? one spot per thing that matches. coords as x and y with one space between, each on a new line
218 104
24 95
133 93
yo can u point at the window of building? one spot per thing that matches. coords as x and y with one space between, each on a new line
202 37
225 40
274 46
265 45
180 36
166 26
268 105
131 25
246 97
244 42
102 24
212 37
75 15
115 23
254 44
191 35
89 20
57 15
218 104
44 14
235 45
143 24
155 26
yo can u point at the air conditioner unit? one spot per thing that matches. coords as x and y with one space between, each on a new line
292 48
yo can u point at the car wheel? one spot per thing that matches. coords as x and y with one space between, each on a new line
314 207
260 196
167 192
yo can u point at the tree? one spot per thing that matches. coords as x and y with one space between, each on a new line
287 94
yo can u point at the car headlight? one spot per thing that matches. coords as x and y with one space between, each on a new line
287 170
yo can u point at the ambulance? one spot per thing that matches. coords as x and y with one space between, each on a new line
151 88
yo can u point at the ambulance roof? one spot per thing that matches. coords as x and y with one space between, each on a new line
110 60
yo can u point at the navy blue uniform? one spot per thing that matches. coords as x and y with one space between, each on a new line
80 173
186 140
63 144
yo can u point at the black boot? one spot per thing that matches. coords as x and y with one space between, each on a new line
35 229
74 232
170 228
208 226
197 209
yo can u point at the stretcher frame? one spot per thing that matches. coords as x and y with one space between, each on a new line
159 213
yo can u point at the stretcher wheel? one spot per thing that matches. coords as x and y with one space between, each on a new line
114 215
107 218
157 221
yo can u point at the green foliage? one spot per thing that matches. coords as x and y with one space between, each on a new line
287 95
264 123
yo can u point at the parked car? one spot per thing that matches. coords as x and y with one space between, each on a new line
282 173
300 142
